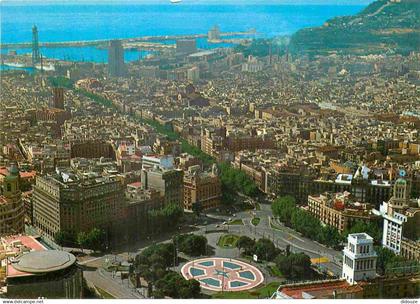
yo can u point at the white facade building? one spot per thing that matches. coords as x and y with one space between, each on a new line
392 228
253 65
163 162
392 213
359 258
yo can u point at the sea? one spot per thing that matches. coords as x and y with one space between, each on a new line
72 22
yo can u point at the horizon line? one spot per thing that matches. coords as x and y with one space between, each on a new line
189 2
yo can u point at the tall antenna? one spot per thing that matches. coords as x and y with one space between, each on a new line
35 45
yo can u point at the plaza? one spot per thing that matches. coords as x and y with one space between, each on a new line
223 274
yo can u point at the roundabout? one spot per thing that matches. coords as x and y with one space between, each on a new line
223 274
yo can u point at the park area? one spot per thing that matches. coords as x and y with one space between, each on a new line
228 241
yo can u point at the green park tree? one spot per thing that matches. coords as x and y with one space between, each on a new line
191 244
175 286
265 250
246 244
283 208
295 265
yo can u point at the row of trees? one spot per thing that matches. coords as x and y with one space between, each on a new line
61 81
292 265
64 82
153 265
263 248
374 229
95 239
165 219
386 259
234 180
302 221
191 244
152 262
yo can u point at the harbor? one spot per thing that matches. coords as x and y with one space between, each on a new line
144 43
19 55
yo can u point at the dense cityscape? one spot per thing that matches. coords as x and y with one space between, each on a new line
249 171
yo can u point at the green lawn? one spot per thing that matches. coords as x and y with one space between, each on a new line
255 221
228 241
258 293
104 294
236 222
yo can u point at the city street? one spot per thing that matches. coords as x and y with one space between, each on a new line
100 278
330 259
283 236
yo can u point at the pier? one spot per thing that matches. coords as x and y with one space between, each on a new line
143 43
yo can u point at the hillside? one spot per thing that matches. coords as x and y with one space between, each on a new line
385 26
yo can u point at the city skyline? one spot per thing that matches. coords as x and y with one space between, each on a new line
210 150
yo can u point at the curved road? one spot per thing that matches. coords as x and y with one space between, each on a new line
283 236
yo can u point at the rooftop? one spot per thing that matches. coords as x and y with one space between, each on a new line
15 245
203 53
361 237
319 290
43 261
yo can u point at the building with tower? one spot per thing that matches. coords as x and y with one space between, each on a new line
58 98
35 46
401 219
359 279
12 211
116 67
359 258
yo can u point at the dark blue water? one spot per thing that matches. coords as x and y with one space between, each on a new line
68 22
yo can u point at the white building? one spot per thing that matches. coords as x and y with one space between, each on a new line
392 229
162 162
253 65
393 214
193 74
359 258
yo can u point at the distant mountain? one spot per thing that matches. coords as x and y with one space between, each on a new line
385 26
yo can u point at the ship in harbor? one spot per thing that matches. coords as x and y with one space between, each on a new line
175 1
43 67
14 64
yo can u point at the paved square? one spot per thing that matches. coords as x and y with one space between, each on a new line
225 274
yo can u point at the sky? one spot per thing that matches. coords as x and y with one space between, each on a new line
318 2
